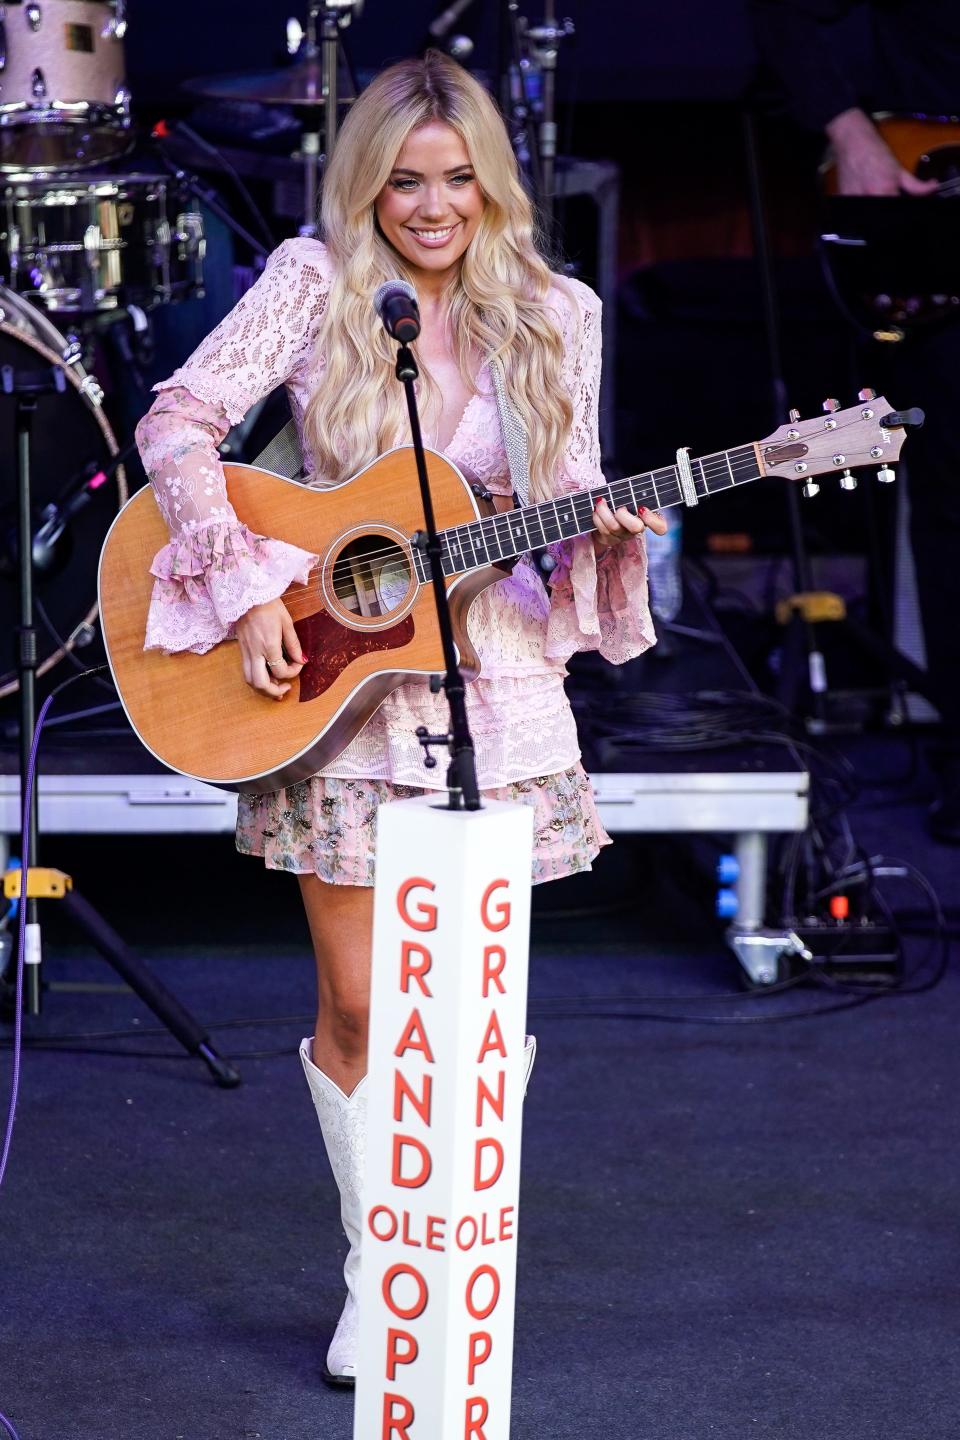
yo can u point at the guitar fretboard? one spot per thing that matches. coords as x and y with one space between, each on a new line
515 532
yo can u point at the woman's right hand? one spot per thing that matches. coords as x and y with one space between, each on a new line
266 634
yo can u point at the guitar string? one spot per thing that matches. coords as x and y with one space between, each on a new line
347 568
714 464
720 468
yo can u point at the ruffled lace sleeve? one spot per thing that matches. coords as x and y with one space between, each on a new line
598 601
214 569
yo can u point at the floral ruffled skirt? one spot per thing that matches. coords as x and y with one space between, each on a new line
327 827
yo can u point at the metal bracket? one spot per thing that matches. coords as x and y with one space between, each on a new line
759 951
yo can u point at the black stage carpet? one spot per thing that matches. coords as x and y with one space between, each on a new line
727 1231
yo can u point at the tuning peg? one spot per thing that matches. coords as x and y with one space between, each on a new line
848 481
885 475
866 393
831 405
794 416
810 489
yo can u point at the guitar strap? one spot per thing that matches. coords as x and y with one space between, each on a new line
514 436
284 454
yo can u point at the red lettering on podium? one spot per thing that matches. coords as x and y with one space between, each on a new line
476 1313
413 1182
492 1039
502 910
480 1348
478 1412
394 1355
423 1104
479 1183
426 918
414 1037
391 1227
423 1295
395 1426
494 959
506 1221
405 1237
484 1093
436 1228
411 970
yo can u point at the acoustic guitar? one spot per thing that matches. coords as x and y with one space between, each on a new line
366 616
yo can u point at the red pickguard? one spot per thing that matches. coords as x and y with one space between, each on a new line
331 647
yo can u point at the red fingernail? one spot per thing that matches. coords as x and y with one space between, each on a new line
304 659
642 510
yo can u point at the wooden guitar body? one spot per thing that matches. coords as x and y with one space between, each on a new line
364 619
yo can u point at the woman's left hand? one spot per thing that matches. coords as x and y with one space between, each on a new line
615 526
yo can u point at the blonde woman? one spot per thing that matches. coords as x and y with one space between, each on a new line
422 185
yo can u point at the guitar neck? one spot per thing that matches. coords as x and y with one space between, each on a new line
515 532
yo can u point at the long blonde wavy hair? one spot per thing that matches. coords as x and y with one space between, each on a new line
495 303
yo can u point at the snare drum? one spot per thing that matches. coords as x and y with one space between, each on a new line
64 102
87 243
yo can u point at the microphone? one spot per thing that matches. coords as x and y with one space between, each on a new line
446 20
396 303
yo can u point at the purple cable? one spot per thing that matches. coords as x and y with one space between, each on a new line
22 939
8 1425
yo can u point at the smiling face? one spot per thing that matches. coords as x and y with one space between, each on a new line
431 205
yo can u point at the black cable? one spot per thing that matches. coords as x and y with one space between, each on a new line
67 646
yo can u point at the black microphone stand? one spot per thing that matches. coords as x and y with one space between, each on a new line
462 788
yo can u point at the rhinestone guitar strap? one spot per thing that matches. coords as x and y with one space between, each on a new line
514 436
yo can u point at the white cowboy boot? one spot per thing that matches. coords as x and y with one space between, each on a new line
343 1121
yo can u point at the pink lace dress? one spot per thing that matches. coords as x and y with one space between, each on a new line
214 570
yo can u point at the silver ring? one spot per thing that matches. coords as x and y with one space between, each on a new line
272 664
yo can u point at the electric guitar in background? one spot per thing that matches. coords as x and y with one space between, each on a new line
894 261
366 615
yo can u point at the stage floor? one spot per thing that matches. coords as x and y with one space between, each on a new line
727 1229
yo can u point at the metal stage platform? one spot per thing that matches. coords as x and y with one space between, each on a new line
96 786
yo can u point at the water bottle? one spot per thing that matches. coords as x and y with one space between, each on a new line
663 568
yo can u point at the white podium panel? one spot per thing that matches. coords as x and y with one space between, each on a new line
445 1098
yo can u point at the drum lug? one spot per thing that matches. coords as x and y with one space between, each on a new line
38 85
190 235
93 246
34 17
116 27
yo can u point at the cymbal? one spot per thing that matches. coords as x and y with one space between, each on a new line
297 84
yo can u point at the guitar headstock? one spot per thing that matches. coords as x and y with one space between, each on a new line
870 433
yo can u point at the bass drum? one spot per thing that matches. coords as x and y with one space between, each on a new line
70 432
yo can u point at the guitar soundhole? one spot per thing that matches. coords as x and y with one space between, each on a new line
371 576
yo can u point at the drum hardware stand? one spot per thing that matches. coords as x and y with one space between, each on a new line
462 789
26 387
334 16
537 47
